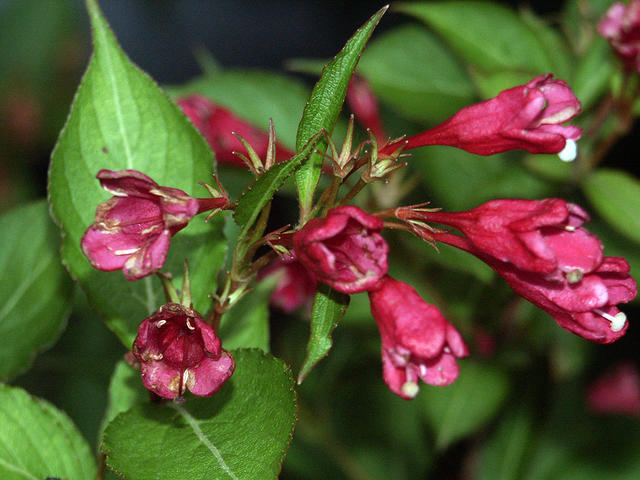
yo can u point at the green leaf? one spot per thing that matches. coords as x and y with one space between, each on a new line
125 391
240 433
506 449
593 72
39 441
35 290
325 103
255 96
465 406
246 325
615 194
486 35
410 69
490 84
121 119
257 195
329 308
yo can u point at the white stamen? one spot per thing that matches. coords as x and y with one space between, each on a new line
569 152
423 370
570 228
446 350
189 326
185 379
574 276
617 322
410 389
160 323
125 252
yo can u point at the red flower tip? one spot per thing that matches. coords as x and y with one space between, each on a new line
417 341
527 117
344 250
178 351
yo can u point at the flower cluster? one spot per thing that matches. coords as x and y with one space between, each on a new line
539 247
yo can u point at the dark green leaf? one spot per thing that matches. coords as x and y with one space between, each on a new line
615 195
35 291
325 103
593 73
260 192
246 325
410 69
120 119
506 448
39 441
329 307
486 35
466 405
240 433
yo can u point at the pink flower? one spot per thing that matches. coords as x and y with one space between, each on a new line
178 351
621 26
133 229
344 250
617 392
296 286
217 125
542 251
364 105
527 117
417 341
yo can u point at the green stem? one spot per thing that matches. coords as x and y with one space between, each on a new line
353 192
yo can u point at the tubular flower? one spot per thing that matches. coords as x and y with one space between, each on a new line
344 250
417 341
296 286
621 27
178 351
133 229
527 117
542 251
218 125
617 392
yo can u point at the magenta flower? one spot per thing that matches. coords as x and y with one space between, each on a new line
617 392
621 27
296 286
177 351
133 229
218 125
344 250
542 251
527 117
417 341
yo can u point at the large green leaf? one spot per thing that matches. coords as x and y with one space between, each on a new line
125 391
38 441
410 69
35 291
325 103
240 433
120 119
466 405
615 194
486 35
329 307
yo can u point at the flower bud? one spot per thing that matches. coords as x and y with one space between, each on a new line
344 250
527 117
296 286
617 392
621 26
